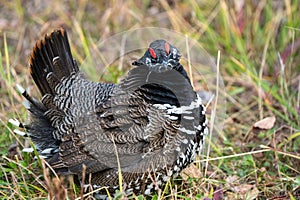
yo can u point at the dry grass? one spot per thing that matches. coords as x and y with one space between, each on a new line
259 44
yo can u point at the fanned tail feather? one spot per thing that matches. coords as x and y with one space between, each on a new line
50 62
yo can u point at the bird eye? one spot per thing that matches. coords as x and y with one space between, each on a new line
152 53
167 48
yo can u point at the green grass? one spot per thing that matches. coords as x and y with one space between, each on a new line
259 65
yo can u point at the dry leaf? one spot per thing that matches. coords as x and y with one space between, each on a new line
232 180
242 189
266 123
192 171
218 194
252 194
246 191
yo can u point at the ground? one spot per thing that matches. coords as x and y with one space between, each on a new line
253 151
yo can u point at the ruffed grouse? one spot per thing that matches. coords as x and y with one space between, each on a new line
153 118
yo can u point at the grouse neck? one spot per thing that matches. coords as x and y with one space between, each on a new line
168 87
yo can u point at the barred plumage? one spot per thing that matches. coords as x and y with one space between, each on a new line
153 118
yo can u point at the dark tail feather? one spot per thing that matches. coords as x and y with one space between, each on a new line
51 57
50 61
39 129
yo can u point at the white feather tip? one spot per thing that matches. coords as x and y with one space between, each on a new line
20 89
22 133
15 122
27 150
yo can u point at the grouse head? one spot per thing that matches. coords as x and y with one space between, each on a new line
160 56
